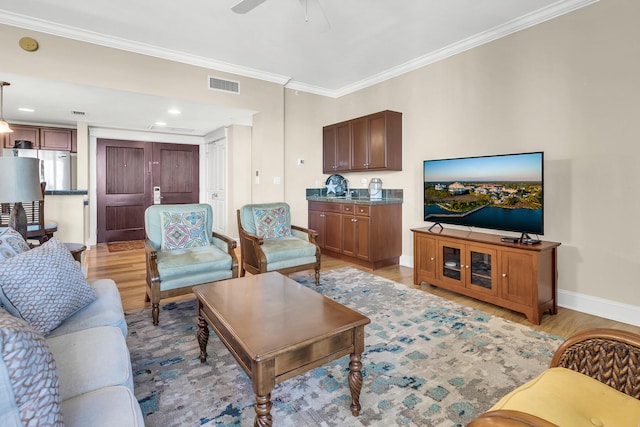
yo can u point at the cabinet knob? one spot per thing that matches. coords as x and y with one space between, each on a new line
322 215
504 274
466 266
433 259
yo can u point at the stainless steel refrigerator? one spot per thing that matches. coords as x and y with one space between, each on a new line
55 166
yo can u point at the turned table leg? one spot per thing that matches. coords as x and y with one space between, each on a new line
355 383
263 411
203 338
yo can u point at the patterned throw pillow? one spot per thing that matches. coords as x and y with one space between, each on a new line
271 223
181 230
28 372
44 286
11 243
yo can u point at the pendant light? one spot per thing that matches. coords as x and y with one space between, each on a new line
4 126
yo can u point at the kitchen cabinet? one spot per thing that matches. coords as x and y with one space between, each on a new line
326 219
55 138
367 234
367 143
42 138
516 276
336 146
356 230
22 132
377 142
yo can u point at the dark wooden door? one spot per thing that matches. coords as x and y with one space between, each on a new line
126 173
176 170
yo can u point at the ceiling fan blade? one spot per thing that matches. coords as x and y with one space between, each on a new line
245 6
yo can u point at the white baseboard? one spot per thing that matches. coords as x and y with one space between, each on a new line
601 307
594 306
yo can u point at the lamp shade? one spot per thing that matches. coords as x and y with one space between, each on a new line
19 179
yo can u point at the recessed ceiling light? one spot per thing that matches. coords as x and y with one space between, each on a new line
26 110
161 124
174 111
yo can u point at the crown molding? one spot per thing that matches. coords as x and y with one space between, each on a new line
43 26
545 14
552 11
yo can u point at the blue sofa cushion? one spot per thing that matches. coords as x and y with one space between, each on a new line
11 243
29 388
106 310
109 365
44 286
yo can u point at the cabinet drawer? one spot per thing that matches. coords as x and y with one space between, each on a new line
362 210
324 206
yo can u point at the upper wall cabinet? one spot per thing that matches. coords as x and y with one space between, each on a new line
42 138
336 148
372 142
22 133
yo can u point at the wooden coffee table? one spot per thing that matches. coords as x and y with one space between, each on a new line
276 329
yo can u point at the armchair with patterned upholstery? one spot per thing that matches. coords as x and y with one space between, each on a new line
269 242
183 251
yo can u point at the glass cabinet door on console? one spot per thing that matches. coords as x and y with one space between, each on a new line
469 266
451 268
481 266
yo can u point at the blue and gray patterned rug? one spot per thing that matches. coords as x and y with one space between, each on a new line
427 362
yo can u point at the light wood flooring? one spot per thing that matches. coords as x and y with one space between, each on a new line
128 270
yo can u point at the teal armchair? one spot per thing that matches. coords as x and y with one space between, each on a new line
182 251
268 241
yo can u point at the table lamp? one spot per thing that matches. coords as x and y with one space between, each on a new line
19 182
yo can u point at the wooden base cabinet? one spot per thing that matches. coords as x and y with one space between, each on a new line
326 219
368 235
519 277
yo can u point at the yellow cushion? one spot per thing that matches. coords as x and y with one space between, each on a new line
568 398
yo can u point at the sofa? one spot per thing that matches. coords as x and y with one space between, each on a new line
64 360
593 380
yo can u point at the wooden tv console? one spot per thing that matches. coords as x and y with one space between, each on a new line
516 276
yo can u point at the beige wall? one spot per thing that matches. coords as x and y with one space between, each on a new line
568 87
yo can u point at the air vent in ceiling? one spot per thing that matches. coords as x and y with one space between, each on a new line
78 113
223 85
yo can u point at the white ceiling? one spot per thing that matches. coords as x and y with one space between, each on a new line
330 47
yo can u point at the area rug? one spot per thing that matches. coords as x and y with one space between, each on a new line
427 362
125 246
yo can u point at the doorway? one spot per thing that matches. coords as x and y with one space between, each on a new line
126 174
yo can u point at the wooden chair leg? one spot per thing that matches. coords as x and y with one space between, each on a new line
155 313
317 277
146 297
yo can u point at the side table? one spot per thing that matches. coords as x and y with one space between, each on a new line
76 250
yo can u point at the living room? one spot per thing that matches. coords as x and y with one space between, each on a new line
564 86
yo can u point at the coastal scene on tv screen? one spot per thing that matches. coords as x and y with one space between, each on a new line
501 192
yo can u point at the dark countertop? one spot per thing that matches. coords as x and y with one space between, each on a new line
66 192
359 196
355 200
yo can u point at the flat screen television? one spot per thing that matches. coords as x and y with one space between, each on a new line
501 192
